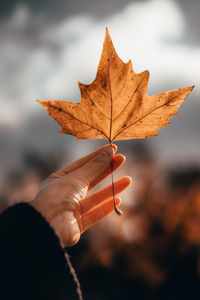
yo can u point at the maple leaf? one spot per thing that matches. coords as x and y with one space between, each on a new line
115 106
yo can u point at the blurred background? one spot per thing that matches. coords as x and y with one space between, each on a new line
46 47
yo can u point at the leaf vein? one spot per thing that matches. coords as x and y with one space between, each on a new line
146 115
96 105
135 91
125 77
74 118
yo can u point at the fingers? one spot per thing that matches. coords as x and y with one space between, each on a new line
79 163
95 166
117 161
92 217
100 196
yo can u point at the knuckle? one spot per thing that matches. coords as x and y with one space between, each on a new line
78 187
70 238
78 182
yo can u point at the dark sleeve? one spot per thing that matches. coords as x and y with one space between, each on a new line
32 262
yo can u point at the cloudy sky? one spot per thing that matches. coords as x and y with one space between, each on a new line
48 46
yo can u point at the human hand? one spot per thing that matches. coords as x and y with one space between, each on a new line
63 199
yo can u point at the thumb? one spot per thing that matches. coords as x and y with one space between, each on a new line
92 169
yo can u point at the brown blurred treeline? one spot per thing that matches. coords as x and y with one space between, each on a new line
152 251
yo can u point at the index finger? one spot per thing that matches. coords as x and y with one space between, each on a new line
80 162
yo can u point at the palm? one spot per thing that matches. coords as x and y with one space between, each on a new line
75 211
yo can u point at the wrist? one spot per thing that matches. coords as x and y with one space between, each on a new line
63 222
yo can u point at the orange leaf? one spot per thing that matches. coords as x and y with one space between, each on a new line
115 106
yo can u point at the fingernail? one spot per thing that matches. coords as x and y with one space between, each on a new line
118 201
124 157
131 180
114 147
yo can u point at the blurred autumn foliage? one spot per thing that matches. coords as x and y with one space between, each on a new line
152 251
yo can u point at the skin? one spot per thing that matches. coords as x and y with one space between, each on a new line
63 200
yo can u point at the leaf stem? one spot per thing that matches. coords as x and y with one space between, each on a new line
117 210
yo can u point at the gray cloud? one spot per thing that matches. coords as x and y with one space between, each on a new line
49 12
44 57
191 10
60 9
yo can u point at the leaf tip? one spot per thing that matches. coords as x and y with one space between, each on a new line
44 103
147 73
61 131
64 131
129 63
107 35
187 90
192 87
80 84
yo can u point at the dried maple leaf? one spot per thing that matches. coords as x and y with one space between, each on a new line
115 106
